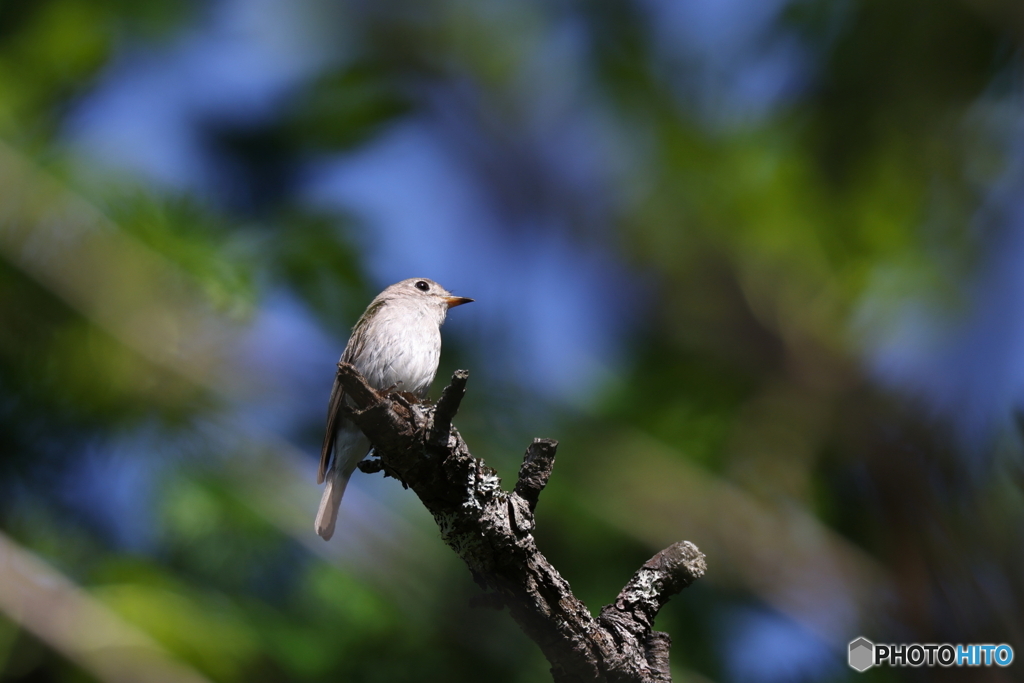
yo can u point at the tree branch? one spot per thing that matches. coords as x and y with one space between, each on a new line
447 407
536 470
490 529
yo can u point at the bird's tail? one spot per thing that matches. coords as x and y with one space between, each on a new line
327 515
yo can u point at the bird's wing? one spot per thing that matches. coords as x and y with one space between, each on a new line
334 421
334 417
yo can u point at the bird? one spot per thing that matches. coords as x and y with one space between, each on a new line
396 343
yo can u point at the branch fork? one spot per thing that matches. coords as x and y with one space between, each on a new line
491 530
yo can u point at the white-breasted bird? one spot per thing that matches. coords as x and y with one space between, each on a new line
396 343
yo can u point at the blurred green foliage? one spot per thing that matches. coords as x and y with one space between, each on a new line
51 51
743 419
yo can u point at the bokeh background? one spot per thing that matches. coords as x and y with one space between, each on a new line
758 265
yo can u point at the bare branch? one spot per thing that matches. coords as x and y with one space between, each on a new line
536 470
661 577
491 530
356 386
448 406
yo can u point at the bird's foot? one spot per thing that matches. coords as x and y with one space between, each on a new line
371 464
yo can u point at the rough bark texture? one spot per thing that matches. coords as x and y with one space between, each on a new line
491 530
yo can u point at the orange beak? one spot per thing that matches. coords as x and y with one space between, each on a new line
454 301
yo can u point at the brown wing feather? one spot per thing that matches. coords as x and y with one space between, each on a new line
334 420
334 417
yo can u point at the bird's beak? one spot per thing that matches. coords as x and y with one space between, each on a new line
454 301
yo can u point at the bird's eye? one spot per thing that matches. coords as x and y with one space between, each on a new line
422 286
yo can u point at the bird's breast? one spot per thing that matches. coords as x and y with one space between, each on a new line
401 350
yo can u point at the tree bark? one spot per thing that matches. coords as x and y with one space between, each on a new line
491 530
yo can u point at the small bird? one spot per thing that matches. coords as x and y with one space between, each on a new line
395 344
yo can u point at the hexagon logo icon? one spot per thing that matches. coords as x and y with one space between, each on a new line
862 654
